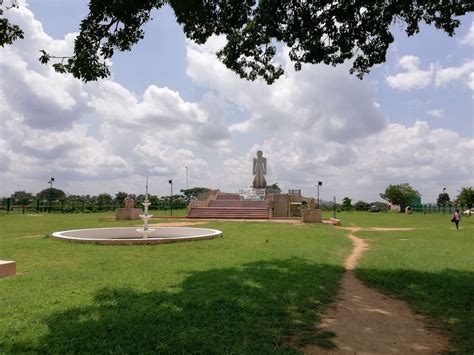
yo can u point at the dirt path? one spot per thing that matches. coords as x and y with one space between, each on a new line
368 322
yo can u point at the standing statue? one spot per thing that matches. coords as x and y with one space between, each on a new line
259 170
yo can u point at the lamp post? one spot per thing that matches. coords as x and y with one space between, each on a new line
171 197
187 175
50 182
320 183
444 203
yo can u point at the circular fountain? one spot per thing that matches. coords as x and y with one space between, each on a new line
133 235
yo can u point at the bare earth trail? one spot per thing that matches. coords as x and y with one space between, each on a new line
368 322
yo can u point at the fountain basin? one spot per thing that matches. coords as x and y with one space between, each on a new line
130 235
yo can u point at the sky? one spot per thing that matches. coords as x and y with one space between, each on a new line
170 104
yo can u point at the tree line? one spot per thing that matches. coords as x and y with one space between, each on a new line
56 199
404 195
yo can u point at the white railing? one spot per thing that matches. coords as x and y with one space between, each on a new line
252 194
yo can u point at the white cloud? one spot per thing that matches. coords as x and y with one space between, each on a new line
468 39
364 167
54 124
445 76
413 77
323 101
416 78
435 113
316 124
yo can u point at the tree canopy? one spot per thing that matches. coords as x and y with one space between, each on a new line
466 197
9 32
22 197
273 188
51 194
193 193
346 204
443 199
401 194
361 206
318 31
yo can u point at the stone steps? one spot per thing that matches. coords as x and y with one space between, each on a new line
239 204
227 197
229 213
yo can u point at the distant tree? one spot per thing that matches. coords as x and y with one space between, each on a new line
53 194
273 188
443 199
400 194
22 197
178 202
119 197
104 202
346 204
326 32
466 197
361 206
193 193
155 202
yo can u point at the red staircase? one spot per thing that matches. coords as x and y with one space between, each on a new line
228 197
241 204
229 206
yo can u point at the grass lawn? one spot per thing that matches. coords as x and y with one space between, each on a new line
431 268
259 289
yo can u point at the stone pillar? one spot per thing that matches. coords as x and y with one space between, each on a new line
312 216
128 214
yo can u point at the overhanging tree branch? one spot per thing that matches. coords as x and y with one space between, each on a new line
318 31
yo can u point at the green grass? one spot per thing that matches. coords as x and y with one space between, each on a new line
431 268
236 294
394 219
259 289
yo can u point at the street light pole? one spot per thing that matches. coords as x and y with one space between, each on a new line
187 172
320 183
50 182
171 197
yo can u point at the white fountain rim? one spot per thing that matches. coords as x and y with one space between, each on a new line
212 233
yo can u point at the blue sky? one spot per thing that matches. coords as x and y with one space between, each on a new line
171 104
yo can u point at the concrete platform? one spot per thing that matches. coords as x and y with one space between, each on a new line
7 268
128 214
312 216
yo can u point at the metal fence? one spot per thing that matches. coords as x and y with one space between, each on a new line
78 206
433 208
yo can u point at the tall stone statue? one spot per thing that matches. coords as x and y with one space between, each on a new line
259 170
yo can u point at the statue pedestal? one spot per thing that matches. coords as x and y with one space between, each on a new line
312 216
128 214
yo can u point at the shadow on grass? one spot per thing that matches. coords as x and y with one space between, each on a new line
259 307
444 296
